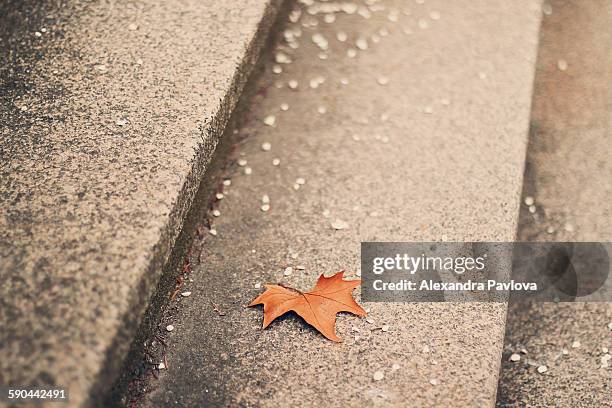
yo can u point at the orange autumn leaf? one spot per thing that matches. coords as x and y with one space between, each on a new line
318 307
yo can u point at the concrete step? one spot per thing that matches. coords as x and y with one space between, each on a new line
419 135
568 175
110 114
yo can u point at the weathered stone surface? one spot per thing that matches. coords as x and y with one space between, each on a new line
395 162
569 168
110 113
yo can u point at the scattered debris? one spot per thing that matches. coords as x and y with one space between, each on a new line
339 224
216 309
270 120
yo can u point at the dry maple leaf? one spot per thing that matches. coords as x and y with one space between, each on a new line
318 307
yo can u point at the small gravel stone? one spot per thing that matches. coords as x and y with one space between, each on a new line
257 285
265 207
242 162
212 232
219 196
542 369
161 366
395 366
293 84
270 120
216 213
288 271
562 65
248 171
529 201
277 69
266 147
382 80
284 107
434 381
339 224
186 294
515 357
169 327
276 162
576 344
378 375
385 328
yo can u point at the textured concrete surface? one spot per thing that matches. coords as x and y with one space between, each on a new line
569 175
421 136
110 112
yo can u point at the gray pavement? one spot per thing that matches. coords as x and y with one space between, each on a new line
414 127
109 114
569 176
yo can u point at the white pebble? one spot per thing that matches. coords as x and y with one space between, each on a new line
341 36
562 65
265 199
161 366
213 232
351 53
216 213
169 327
383 80
227 182
219 196
434 381
242 162
276 162
265 207
322 110
576 344
282 58
257 285
277 69
362 43
248 171
529 201
339 224
515 357
301 181
293 84
542 369
270 120
186 294
266 147
385 328
288 271
395 366
378 375
284 107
